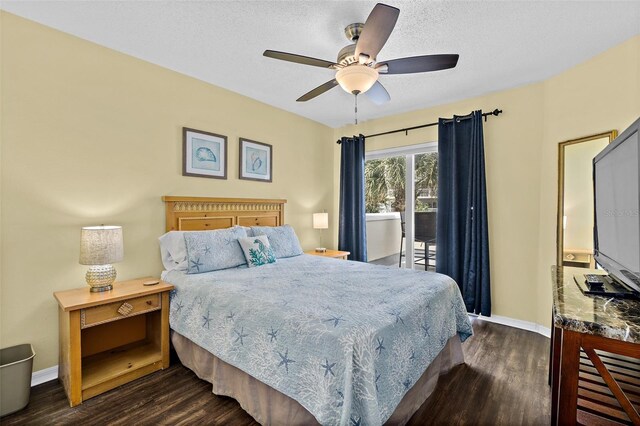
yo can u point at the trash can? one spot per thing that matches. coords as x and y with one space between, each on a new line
16 364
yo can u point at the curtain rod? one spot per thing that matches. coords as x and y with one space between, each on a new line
495 112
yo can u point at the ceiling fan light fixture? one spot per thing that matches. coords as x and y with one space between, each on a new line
356 78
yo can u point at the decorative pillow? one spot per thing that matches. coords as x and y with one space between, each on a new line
283 240
257 250
214 250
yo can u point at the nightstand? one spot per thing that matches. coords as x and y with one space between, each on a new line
111 338
579 258
337 254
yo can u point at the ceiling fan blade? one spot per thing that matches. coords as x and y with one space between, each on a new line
318 90
377 30
299 59
378 94
416 64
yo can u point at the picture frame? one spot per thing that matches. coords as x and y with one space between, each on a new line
256 161
204 154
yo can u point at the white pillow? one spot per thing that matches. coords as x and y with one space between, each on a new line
173 251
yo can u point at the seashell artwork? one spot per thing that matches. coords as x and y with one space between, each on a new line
205 154
255 160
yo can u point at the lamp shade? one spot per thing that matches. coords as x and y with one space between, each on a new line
320 220
356 78
101 245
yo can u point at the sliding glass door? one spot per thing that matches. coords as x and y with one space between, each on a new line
401 201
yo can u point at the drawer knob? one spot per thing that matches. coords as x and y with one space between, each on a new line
149 302
125 309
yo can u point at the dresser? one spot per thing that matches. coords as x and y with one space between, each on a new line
595 355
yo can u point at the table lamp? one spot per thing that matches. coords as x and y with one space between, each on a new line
100 246
321 221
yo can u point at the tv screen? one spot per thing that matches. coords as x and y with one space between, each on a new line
616 173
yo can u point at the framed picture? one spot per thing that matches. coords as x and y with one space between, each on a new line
256 160
204 154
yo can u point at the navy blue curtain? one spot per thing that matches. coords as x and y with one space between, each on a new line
462 244
352 232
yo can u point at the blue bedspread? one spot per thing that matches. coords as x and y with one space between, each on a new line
345 339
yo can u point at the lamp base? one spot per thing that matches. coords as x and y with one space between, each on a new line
321 250
101 277
101 289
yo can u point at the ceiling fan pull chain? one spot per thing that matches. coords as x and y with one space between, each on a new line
356 108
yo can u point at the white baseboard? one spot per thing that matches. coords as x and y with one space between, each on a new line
516 323
45 375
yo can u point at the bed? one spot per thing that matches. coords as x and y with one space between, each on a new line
307 339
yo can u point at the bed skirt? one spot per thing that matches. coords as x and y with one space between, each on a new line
271 407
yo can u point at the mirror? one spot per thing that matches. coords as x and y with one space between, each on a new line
575 199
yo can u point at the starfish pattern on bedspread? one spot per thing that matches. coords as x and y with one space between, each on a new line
207 320
196 263
397 316
241 335
345 339
425 328
273 334
285 360
328 368
336 320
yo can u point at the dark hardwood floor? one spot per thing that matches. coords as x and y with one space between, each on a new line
504 382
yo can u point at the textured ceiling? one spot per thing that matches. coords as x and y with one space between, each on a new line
501 44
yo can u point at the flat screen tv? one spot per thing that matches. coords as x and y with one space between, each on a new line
616 177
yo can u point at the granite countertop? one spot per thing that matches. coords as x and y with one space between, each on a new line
601 316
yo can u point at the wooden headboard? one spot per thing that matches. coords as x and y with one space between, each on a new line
204 213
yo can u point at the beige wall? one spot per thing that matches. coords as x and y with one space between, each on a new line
92 136
521 163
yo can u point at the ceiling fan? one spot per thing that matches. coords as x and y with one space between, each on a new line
357 68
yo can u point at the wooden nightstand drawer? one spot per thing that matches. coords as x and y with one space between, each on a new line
118 310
